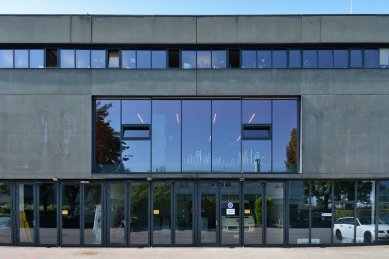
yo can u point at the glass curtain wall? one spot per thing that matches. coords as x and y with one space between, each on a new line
230 213
184 213
5 213
71 214
321 212
383 212
162 218
117 214
253 213
274 213
93 214
26 213
298 212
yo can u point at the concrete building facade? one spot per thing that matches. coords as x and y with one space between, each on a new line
326 75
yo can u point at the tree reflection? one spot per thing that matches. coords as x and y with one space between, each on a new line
291 152
107 139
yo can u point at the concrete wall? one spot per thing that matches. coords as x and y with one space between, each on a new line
101 29
46 114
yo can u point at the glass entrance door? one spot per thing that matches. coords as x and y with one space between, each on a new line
230 213
26 214
207 214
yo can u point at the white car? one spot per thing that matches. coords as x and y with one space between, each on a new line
365 229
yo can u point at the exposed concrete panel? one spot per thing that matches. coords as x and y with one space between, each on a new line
143 29
35 29
45 136
144 82
81 29
249 82
45 81
310 26
345 135
355 29
248 29
345 81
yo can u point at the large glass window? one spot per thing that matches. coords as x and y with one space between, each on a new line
383 209
285 140
71 214
143 59
219 59
230 213
188 59
356 59
166 135
310 59
226 143
249 59
6 58
67 58
21 58
108 143
184 213
37 57
128 58
253 213
82 58
5 213
93 216
26 213
365 213
274 213
117 214
326 58
264 59
384 58
341 58
371 58
196 136
48 214
295 58
298 212
98 58
158 59
280 59
321 213
203 59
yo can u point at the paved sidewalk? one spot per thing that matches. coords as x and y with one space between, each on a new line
374 252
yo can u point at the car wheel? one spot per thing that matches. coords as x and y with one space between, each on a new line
338 235
367 237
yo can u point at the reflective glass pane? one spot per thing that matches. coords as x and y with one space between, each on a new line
256 156
70 214
98 58
162 214
356 58
196 136
256 111
295 58
203 59
5 213
226 139
365 214
230 213
249 59
207 192
158 59
67 58
93 214
344 224
82 58
108 143
37 58
26 213
275 213
326 59
264 59
188 59
6 58
371 58
139 221
48 214
21 58
184 211
285 136
143 59
341 58
136 156
280 59
310 58
253 215
166 136
117 214
136 112
298 212
344 191
219 59
383 212
321 215
128 59
384 58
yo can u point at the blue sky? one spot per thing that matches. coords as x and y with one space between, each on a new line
187 7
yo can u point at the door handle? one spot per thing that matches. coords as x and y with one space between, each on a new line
216 222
